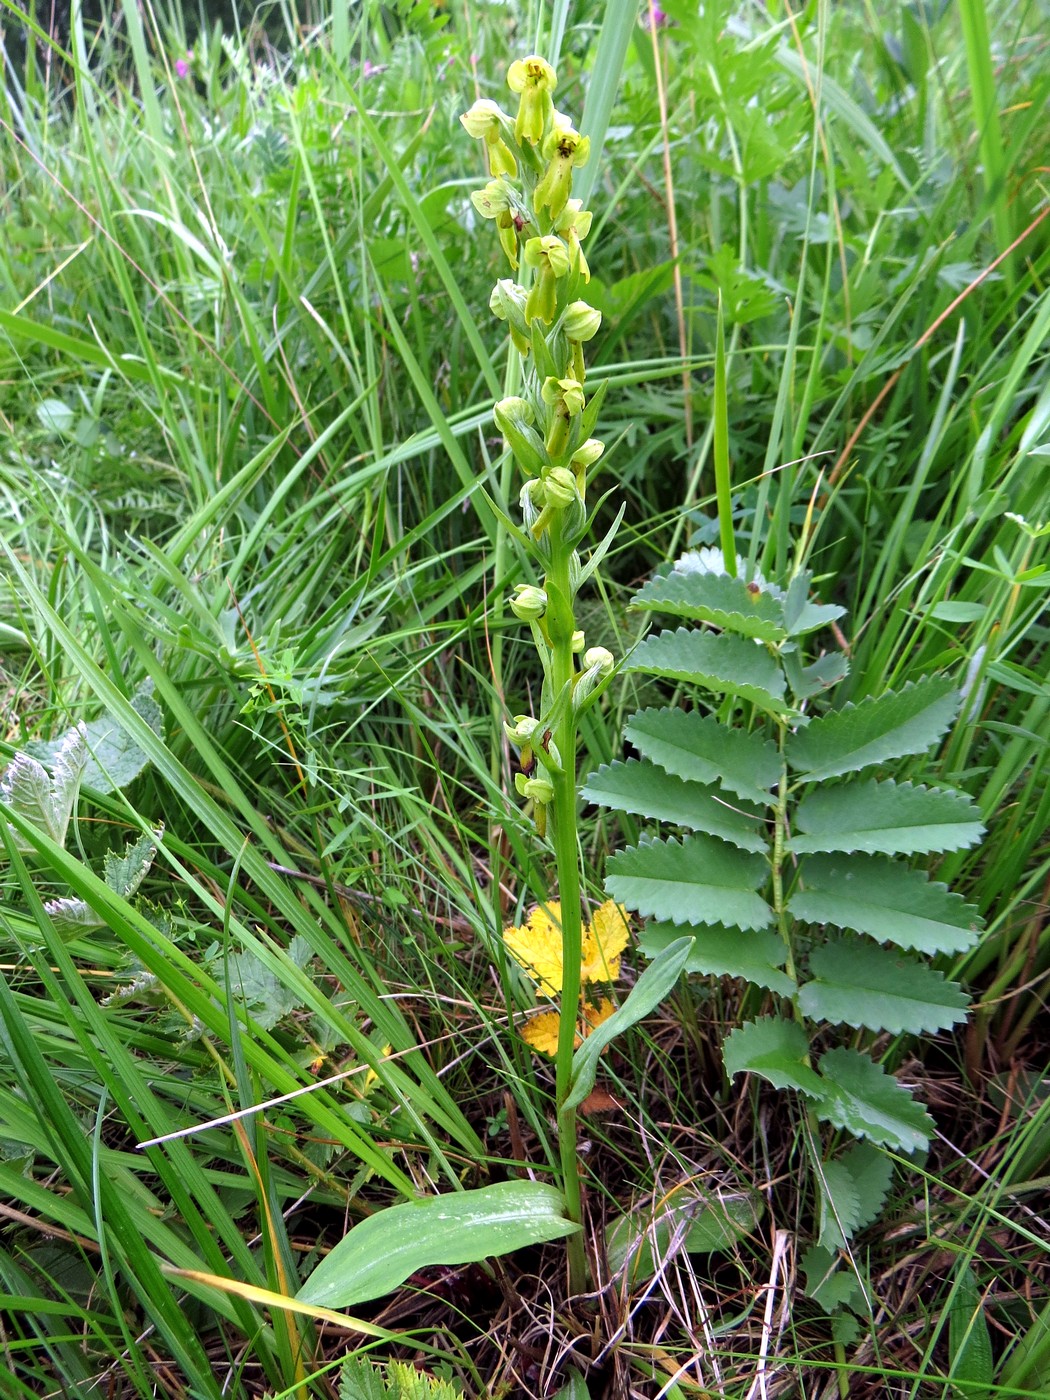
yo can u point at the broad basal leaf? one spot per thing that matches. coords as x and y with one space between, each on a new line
42 799
699 1223
124 874
891 725
857 984
775 1050
830 1286
862 1098
462 1227
896 818
696 881
726 602
885 900
700 749
648 791
872 1173
758 956
726 664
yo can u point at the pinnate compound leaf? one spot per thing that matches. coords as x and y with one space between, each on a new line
719 599
885 900
776 1051
45 801
889 726
642 788
700 749
648 992
695 881
726 664
757 956
894 818
462 1227
859 1096
857 984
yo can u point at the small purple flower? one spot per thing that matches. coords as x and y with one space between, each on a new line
182 65
367 69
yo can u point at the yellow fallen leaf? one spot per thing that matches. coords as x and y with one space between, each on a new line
537 947
541 1032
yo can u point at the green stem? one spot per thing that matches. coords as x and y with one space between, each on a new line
560 626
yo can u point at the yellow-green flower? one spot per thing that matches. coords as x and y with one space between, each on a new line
486 121
574 224
565 149
550 257
534 79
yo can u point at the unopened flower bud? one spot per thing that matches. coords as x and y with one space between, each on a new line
514 417
586 454
578 641
599 659
581 322
559 487
507 303
529 603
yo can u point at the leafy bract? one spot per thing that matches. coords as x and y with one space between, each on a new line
719 599
862 1098
700 749
461 1227
895 818
648 992
888 726
887 901
648 791
757 956
699 880
858 984
725 664
775 1050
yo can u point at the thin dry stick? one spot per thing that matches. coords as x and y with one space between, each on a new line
780 1249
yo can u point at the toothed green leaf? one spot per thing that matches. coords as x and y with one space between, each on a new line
776 1051
885 900
861 1097
697 880
648 791
42 799
857 984
802 616
727 602
892 725
839 1205
701 749
758 956
895 818
728 665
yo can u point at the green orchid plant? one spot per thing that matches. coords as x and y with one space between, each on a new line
548 428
